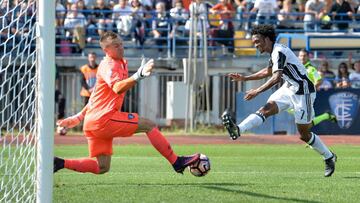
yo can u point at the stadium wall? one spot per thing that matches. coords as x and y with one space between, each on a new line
149 99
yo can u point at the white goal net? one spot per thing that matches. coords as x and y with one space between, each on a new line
19 101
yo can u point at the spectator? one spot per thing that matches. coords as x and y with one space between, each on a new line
160 26
138 22
342 79
353 3
312 72
248 18
240 8
357 20
327 76
315 10
342 13
167 4
101 17
4 22
178 13
148 15
200 9
90 28
355 76
21 13
122 18
285 19
88 79
90 4
225 30
328 5
82 8
301 8
179 16
60 14
69 3
266 11
75 24
19 26
147 4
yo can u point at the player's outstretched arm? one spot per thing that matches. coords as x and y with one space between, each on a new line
276 78
263 73
144 71
74 120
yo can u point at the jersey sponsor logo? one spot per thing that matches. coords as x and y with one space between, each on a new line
345 106
131 116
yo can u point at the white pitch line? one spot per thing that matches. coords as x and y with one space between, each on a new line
226 172
237 157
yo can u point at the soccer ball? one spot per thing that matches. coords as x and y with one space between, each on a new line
61 130
201 167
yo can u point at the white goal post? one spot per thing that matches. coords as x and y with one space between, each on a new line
27 94
46 100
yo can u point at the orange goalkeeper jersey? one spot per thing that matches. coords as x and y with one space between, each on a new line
104 101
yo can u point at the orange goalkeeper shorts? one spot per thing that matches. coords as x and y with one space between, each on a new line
121 124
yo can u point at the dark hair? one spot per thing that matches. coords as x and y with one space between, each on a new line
265 30
92 53
178 1
304 50
346 70
324 63
132 3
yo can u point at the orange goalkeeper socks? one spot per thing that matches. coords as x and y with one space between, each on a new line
161 144
83 165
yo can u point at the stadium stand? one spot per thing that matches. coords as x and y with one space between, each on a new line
327 44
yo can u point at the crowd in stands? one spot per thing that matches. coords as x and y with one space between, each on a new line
138 20
348 75
82 21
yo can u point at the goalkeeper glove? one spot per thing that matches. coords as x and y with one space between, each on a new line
144 70
71 121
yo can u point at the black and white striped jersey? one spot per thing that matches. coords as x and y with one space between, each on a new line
293 71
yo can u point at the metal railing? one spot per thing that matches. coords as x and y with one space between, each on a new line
174 43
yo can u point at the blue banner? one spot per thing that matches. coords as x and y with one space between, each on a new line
344 103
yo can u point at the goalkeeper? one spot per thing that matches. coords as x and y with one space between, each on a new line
103 120
315 77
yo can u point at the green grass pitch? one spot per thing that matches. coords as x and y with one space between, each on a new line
239 173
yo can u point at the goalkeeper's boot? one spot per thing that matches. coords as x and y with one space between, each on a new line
330 165
230 125
184 161
58 164
332 117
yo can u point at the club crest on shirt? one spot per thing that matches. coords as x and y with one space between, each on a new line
131 116
345 106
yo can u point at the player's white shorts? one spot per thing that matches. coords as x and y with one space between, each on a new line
303 105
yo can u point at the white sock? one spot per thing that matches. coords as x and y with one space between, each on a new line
316 143
253 120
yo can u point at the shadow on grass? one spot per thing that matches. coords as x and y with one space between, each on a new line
189 184
352 177
254 194
157 184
